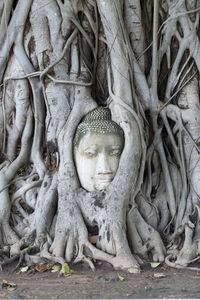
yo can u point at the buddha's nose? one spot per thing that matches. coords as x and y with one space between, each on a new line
103 166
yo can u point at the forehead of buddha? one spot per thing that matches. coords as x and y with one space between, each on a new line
98 121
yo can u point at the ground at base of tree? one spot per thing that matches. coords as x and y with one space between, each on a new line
161 282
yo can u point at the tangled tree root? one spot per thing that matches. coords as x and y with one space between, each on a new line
34 255
30 256
170 261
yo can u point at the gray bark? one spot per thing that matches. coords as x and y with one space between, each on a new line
58 61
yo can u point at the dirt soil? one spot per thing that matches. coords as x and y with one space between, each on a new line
161 282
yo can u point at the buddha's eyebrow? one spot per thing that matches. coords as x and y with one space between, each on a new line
115 146
92 147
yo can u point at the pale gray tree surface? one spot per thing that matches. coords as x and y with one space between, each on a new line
61 59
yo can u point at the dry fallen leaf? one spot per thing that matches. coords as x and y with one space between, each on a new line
55 268
23 270
133 270
154 264
120 277
159 275
66 269
43 267
26 249
128 295
11 286
5 283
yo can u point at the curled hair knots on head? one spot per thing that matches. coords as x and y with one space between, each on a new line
97 121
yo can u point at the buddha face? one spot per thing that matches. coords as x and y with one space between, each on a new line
97 159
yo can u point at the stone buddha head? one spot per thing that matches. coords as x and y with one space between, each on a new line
98 144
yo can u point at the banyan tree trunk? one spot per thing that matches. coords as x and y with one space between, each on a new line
61 59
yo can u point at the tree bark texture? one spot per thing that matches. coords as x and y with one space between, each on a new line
61 59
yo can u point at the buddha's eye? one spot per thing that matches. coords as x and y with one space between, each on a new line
115 152
90 154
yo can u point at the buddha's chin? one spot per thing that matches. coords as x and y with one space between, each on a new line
102 184
98 184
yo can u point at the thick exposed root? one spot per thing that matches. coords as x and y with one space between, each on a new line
144 239
71 241
30 256
189 252
171 262
9 235
10 260
49 46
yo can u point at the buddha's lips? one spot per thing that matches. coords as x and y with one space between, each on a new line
104 177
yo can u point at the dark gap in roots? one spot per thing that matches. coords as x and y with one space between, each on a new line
92 230
100 100
51 150
194 217
180 30
147 14
29 210
163 77
93 234
15 4
174 49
